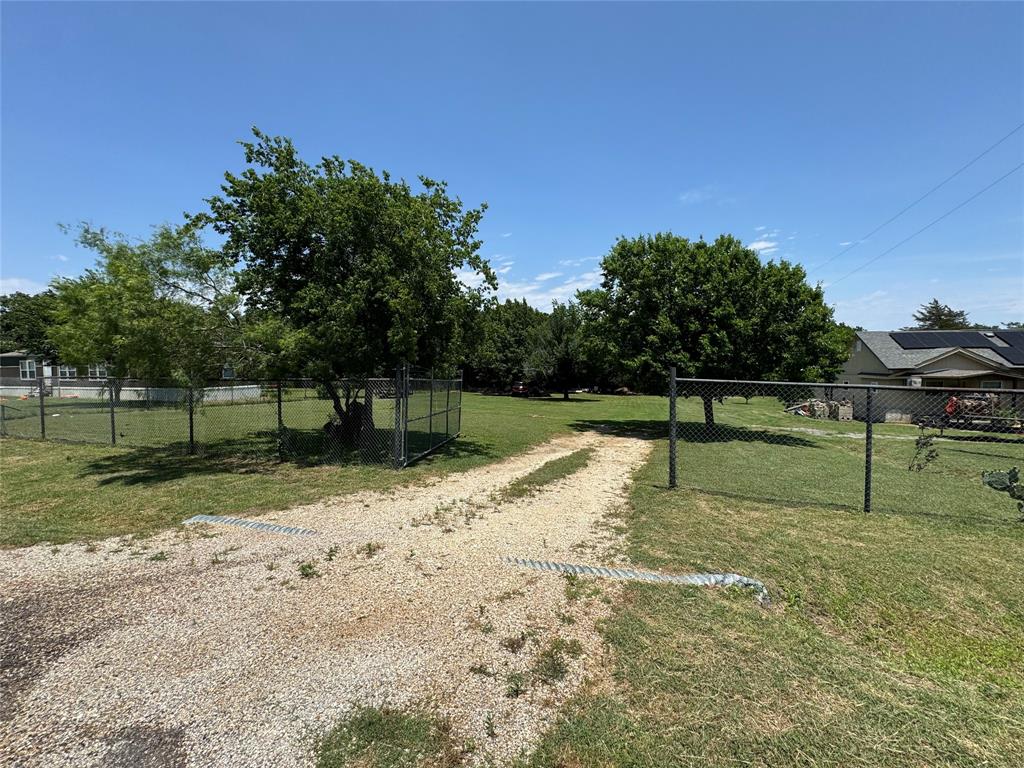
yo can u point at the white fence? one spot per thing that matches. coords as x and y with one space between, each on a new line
98 391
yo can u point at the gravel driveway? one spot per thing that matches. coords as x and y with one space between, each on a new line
205 646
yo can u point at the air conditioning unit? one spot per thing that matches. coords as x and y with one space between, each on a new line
914 381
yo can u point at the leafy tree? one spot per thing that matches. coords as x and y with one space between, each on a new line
159 309
935 316
714 311
24 320
504 338
359 269
558 350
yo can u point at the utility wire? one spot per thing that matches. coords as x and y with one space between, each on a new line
938 186
929 225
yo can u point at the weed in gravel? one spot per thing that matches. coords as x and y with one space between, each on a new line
91 547
570 648
308 570
576 588
483 670
222 555
515 685
54 550
158 557
370 548
549 665
332 552
489 727
271 565
515 643
565 617
387 738
509 594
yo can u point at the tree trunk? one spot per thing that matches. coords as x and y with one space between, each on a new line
709 412
332 392
349 412
565 394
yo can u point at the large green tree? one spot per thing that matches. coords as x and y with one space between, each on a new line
502 343
160 309
558 350
360 271
714 310
936 316
24 323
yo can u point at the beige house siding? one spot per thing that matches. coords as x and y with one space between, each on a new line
862 359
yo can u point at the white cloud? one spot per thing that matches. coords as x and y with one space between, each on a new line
61 257
503 270
540 295
20 285
506 234
577 262
696 195
545 276
760 229
846 243
764 246
468 277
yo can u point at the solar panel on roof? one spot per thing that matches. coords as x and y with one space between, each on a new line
908 340
1014 354
1014 338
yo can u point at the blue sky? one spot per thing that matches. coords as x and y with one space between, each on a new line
796 127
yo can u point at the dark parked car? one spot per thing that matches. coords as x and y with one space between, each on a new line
525 389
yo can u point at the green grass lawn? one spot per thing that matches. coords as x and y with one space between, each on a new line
52 491
894 640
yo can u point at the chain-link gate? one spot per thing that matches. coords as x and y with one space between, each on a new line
388 420
888 448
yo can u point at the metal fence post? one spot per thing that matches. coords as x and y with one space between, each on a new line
42 407
3 419
280 423
191 422
672 427
406 394
113 424
430 410
447 405
868 433
396 438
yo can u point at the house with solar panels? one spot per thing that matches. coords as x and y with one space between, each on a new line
963 359
938 366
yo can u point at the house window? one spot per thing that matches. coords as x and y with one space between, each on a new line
934 383
27 369
227 371
991 384
67 372
98 371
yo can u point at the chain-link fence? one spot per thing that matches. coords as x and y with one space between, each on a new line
899 449
393 420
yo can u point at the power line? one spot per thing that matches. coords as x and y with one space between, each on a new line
938 186
930 224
